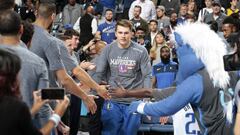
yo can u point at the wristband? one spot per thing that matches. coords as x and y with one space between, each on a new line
56 119
140 108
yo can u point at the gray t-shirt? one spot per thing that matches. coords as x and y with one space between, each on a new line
128 66
46 47
68 62
33 76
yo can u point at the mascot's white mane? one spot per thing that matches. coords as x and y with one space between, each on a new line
209 47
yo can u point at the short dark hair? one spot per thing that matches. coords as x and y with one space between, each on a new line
137 6
153 20
45 10
63 37
109 9
124 23
28 31
140 28
229 20
71 32
6 4
10 23
10 65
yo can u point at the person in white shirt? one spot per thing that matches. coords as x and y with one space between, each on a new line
208 9
148 9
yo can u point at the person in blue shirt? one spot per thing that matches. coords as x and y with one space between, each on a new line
164 73
106 30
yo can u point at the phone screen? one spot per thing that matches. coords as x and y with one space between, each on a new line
53 93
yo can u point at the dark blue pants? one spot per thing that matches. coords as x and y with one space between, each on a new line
117 121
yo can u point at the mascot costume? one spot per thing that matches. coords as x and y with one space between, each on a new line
200 77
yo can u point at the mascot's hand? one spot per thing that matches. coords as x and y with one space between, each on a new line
178 39
133 106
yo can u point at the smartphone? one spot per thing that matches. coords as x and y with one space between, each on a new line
53 93
231 63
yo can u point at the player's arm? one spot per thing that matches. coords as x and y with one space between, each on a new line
183 95
138 93
83 76
69 84
143 93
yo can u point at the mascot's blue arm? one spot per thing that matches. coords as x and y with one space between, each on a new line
189 91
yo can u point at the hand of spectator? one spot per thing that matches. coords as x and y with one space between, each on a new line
90 43
87 65
64 129
61 106
133 107
118 92
163 120
37 103
103 92
90 103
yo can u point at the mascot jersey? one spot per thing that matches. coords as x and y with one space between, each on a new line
200 76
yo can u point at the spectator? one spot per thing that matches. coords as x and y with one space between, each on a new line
207 10
107 4
148 11
233 8
192 9
141 39
182 13
27 11
153 30
88 26
163 20
123 14
217 15
105 30
173 19
158 42
229 26
71 12
164 76
170 5
15 115
128 64
137 20
98 7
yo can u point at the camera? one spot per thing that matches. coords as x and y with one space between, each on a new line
53 93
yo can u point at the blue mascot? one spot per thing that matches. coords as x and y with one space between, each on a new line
200 76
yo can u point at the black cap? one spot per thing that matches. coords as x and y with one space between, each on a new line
215 3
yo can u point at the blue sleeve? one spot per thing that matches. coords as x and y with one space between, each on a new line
189 91
153 71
